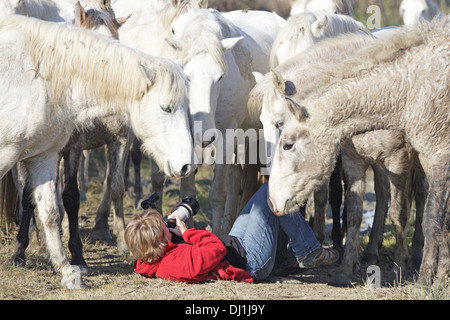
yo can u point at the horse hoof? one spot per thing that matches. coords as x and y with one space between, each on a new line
18 261
101 234
72 278
122 248
369 259
340 280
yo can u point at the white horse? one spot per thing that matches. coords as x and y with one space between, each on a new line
49 10
42 9
269 99
303 30
330 6
414 64
45 97
412 11
103 22
219 52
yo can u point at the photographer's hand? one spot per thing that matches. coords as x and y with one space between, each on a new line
180 228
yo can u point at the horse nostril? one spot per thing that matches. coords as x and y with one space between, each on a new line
185 170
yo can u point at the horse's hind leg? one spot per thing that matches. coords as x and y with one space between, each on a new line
22 240
71 199
42 180
381 184
420 197
117 155
335 200
400 174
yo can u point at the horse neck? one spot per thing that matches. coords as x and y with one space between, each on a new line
348 108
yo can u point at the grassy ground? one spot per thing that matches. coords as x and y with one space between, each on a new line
110 275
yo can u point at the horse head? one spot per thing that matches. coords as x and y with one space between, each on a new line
197 40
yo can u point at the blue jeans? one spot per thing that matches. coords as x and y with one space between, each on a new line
257 229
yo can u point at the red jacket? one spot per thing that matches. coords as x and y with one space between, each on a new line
199 259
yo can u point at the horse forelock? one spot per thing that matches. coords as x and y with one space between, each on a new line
94 18
202 33
263 93
66 57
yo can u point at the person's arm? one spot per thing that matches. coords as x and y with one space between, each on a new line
206 252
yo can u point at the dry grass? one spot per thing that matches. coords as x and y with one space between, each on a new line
110 275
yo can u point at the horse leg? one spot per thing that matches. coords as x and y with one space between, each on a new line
71 197
320 207
22 239
117 154
420 197
355 169
434 217
443 270
84 174
218 196
232 201
400 177
157 178
335 200
381 184
136 157
101 229
42 180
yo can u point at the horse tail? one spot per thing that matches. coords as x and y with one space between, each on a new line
8 199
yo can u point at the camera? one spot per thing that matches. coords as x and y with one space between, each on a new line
187 208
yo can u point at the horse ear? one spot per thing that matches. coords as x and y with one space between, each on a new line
286 87
173 43
80 14
148 73
281 22
122 20
318 26
278 80
229 43
203 3
298 111
258 76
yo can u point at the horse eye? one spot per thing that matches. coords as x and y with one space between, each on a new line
166 109
221 77
173 31
287 146
279 124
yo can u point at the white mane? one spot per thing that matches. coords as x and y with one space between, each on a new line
323 52
299 31
64 55
204 37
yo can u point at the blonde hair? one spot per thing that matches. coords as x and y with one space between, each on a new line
144 236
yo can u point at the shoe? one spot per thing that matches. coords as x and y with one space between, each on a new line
319 257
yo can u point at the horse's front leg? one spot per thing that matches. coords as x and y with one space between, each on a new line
433 221
117 155
218 192
234 178
218 196
355 171
42 180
